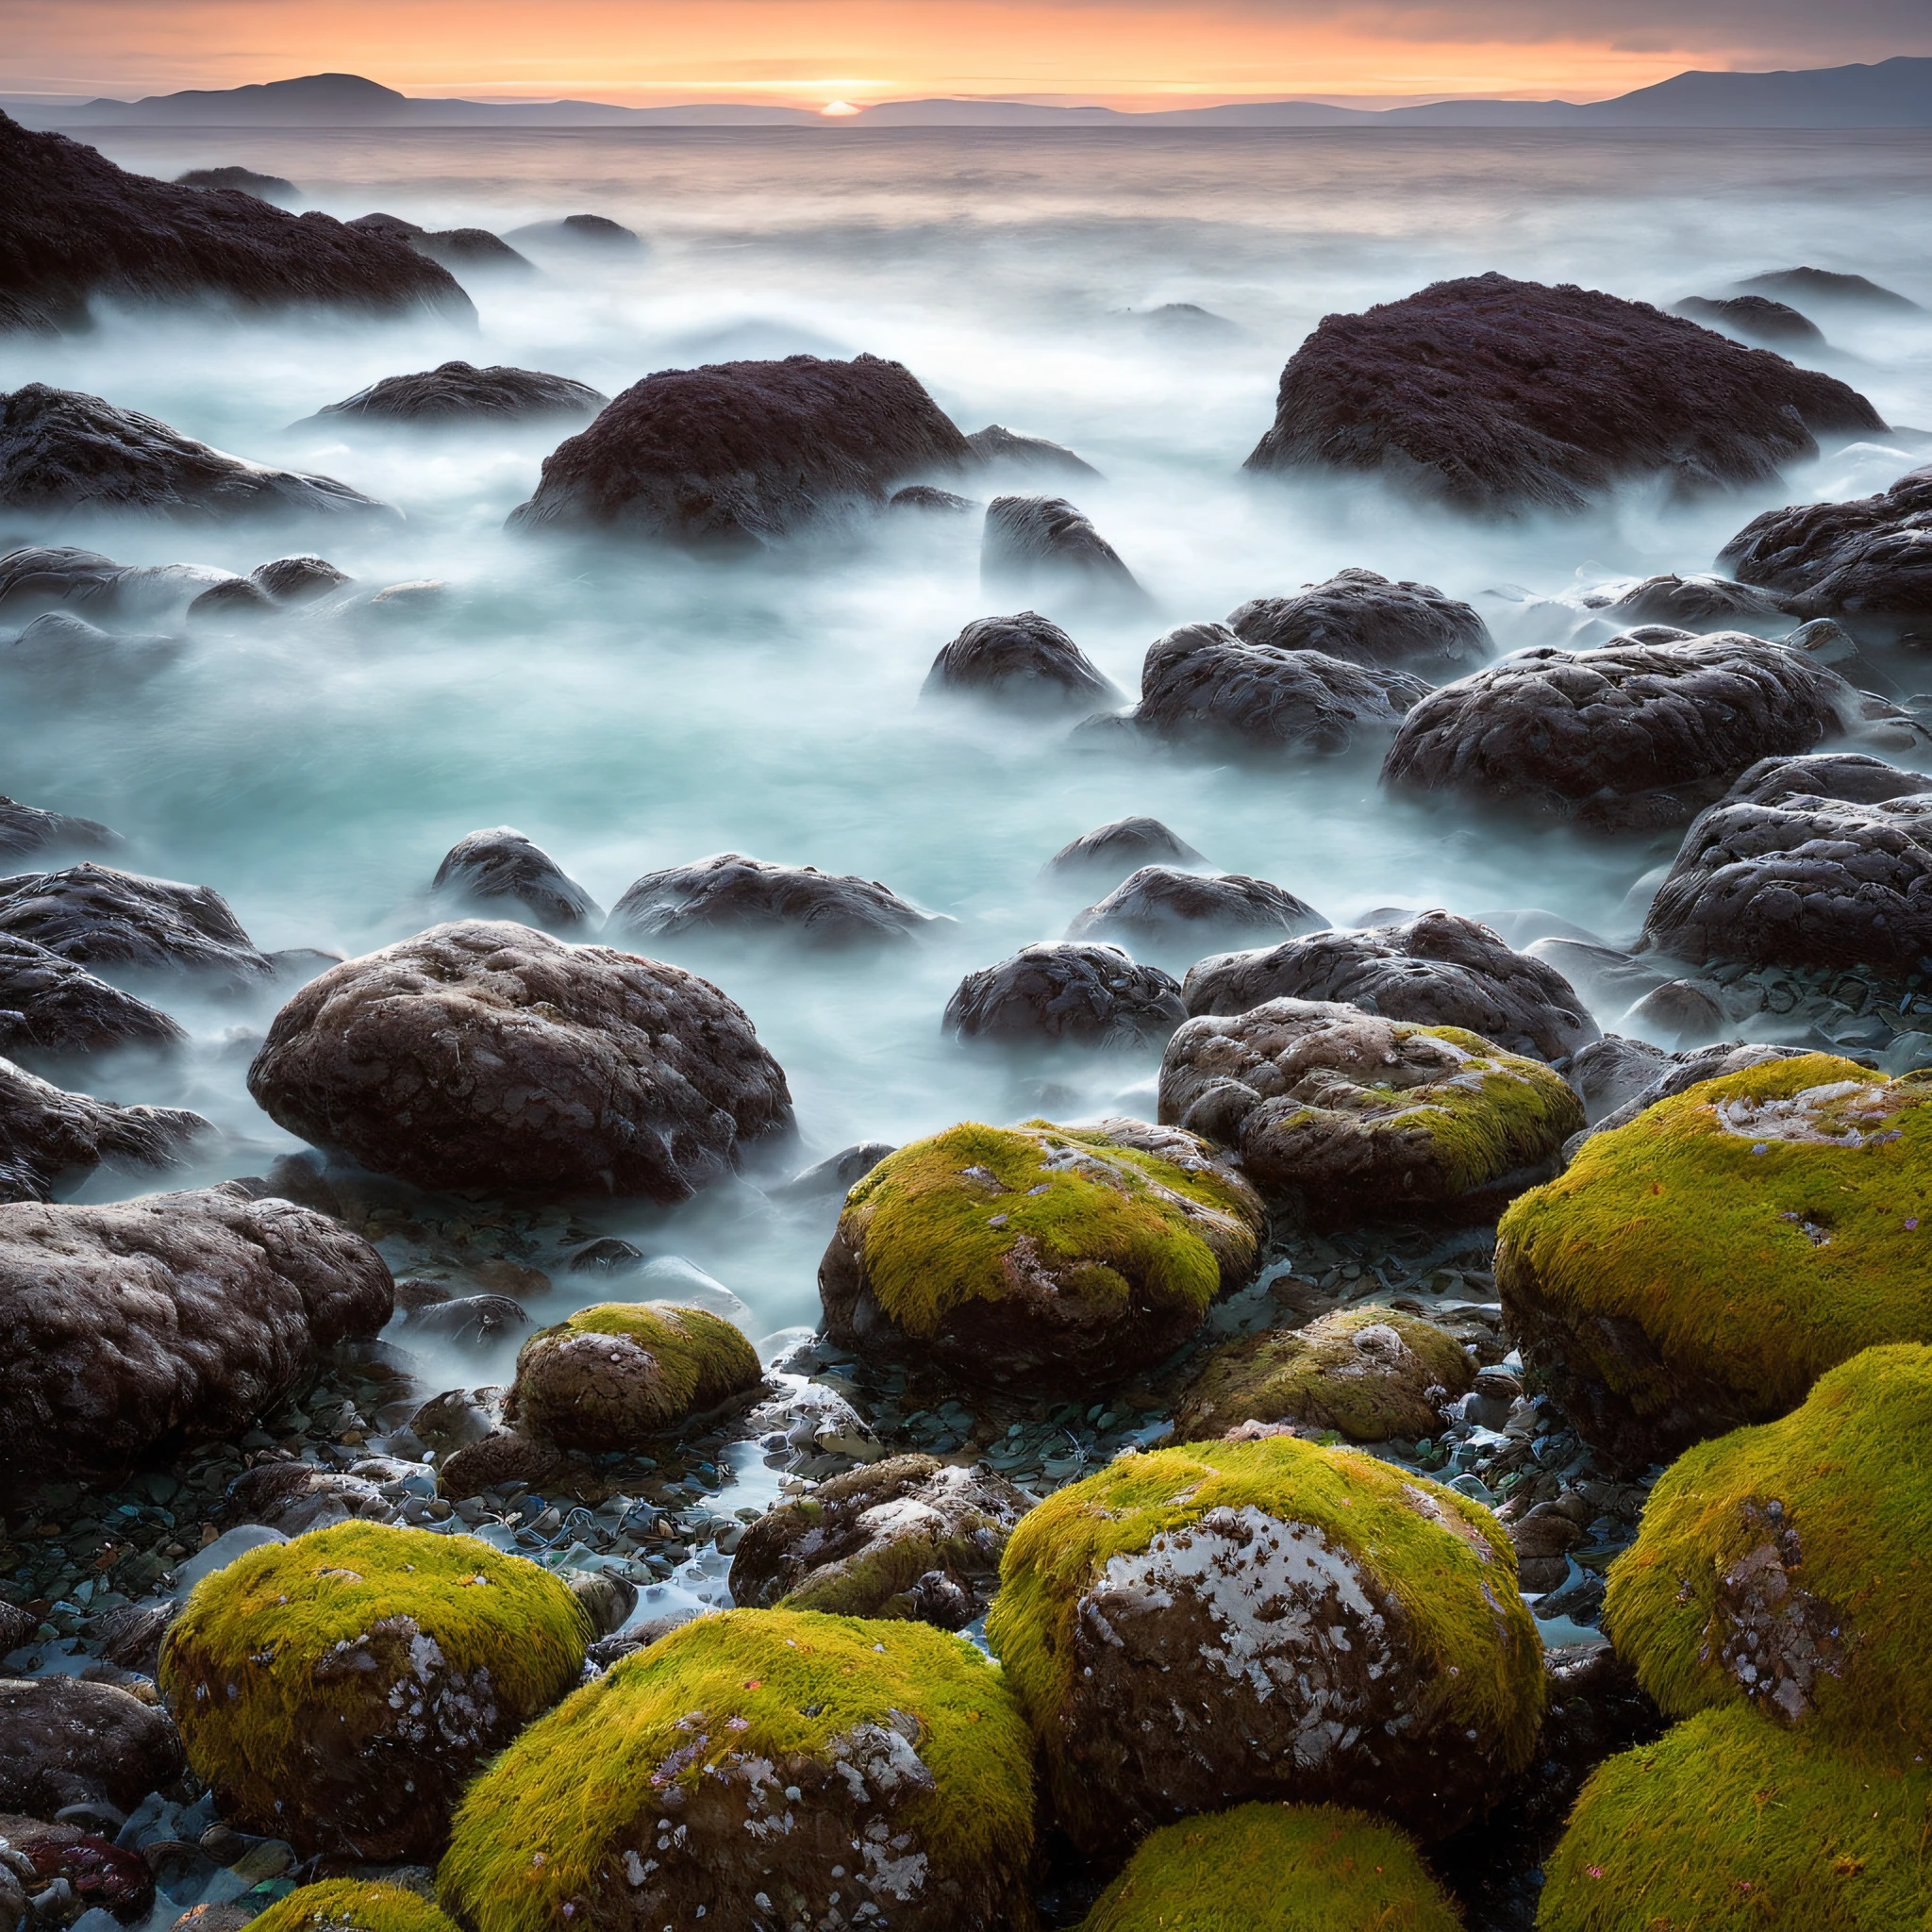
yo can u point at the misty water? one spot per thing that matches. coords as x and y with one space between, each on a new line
630 708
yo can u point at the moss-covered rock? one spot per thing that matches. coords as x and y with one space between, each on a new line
761 1768
1346 1116
1367 1372
1276 1868
339 1689
1702 1266
1222 1621
352 1904
1729 1824
1039 1256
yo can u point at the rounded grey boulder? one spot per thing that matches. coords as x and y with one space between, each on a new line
501 864
48 1135
63 1742
733 892
1158 906
1039 545
1026 661
50 1006
1365 619
457 392
1084 993
1110 852
95 915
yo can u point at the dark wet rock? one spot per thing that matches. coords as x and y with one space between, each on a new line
910 1537
836 1176
1205 681
1700 602
466 249
486 1054
1365 619
1110 852
263 186
453 1420
471 1321
597 233
501 864
1618 1077
1823 286
1609 978
25 828
52 1006
924 499
1035 545
607 1256
1434 969
1190 321
59 647
293 1498
236 599
97 916
1026 661
1497 394
1160 907
503 1455
65 1742
1090 994
1757 317
157 1323
741 453
49 1137
998 446
99 1872
1847 776
63 453
60 578
460 392
1683 1011
299 580
730 892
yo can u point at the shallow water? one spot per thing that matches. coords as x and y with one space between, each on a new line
629 709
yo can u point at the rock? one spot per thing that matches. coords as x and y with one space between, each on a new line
65 453
293 1498
236 600
501 864
1089 993
342 1904
1160 907
925 498
1198 1627
17 1627
458 393
426 1061
1822 286
47 578
1043 545
745 453
865 1774
997 447
1617 1078
339 1689
1366 1372
1434 969
168 1321
731 892
1700 602
1110 852
60 648
1189 323
1038 1257
99 1875
1205 682
1495 394
609 1255
299 580
1757 317
1848 775
1345 1117
496 1461
263 186
1365 619
94 915
910 1537
24 829
471 1321
836 1177
596 234
49 1137
67 1742
1701 1267
472 250
1026 661
77 227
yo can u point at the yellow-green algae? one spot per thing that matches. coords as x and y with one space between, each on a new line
352 1904
1491 1683
1758 1260
1729 1824
702 1361
540 1831
1276 1868
1105 1217
1787 1564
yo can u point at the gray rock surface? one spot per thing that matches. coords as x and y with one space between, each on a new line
95 915
50 1006
1365 619
25 828
1088 993
996 447
1026 661
49 1137
1698 602
299 580
1038 545
1757 317
1160 907
1618 1077
501 864
585 234
63 1743
459 393
1110 852
730 891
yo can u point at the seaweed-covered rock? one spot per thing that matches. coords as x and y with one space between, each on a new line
1367 1372
1110 852
1038 1256
1434 969
745 453
1160 907
761 1767
998 447
1198 1627
1499 394
63 1743
1365 619
96 915
1090 994
1757 318
49 1136
50 1006
907 1537
176 1318
1026 661
340 1689
484 1054
501 864
350 1905
1702 1267
731 892
1035 545
1347 1117
459 393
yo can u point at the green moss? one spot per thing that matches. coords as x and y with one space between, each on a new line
701 1360
1728 1823
1788 1565
937 1221
351 1905
543 1829
1756 1260
1276 1868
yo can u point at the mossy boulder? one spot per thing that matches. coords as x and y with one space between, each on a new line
1276 1868
760 1768
1038 1256
1345 1117
1699 1268
1202 1625
352 1904
339 1689
1730 1823
1367 1372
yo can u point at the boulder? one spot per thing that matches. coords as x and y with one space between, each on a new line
744 453
1699 1268
730 892
910 1537
484 1054
1160 907
589 234
458 393
1199 1626
25 828
998 447
1618 1079
1493 394
1092 995
1434 969
51 1007
1365 619
1826 288
337 1904
1848 775
475 251
862 1774
263 186
1110 852
1345 1117
1026 661
339 1689
83 1870
1757 317
1038 1257
470 1320
64 454
1041 545
293 1498
485 868
64 1742
1699 602
924 499
136 1329
299 580
44 577
95 915
50 1138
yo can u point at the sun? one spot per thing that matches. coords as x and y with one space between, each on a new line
838 111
